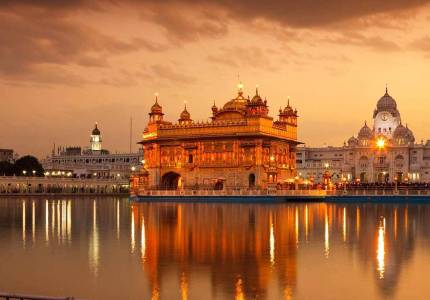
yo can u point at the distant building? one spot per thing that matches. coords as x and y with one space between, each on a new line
241 146
91 162
385 152
6 155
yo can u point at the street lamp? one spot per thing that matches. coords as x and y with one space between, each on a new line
24 172
34 172
133 168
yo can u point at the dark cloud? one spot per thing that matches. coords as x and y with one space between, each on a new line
29 41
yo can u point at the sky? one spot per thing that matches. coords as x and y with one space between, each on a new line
65 65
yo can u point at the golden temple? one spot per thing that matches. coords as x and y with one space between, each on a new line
241 146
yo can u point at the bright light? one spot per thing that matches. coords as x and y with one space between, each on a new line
133 168
240 86
326 165
142 161
118 175
34 172
272 158
46 173
380 143
24 172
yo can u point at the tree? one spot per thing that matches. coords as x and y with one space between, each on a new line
6 168
28 164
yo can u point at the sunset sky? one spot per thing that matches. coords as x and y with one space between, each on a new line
66 64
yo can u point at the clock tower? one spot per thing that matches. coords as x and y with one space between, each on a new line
386 117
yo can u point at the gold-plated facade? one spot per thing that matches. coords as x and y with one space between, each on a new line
240 147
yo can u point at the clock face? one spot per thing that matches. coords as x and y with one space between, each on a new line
384 116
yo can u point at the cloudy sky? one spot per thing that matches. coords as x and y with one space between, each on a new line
66 64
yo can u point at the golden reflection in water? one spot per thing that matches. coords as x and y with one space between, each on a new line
288 293
155 294
132 241
63 220
184 286
52 218
23 223
33 221
272 241
239 294
306 222
143 240
117 219
326 235
380 251
357 221
395 224
344 224
93 252
297 225
406 220
46 221
69 220
58 220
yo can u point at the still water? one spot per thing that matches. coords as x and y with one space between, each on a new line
109 248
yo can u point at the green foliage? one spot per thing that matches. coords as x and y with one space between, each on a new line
28 164
6 168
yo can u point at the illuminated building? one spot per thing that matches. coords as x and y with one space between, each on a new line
91 162
385 152
241 146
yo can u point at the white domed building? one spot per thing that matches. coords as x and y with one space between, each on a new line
384 152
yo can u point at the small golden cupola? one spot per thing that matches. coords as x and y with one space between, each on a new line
288 115
256 106
156 114
185 117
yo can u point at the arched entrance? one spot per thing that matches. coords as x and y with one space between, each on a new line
170 181
399 177
383 177
219 185
251 180
363 177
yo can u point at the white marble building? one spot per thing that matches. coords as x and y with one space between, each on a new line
90 162
383 152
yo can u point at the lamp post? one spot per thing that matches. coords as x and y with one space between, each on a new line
395 185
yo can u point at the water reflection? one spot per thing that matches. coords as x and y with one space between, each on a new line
212 251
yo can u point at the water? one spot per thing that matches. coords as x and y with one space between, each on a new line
109 248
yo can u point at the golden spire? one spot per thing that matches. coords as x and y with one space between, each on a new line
256 89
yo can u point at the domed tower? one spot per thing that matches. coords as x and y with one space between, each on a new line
288 115
403 135
365 135
185 117
386 116
353 141
256 106
96 139
214 110
156 114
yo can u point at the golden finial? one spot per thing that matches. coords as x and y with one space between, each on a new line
256 89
